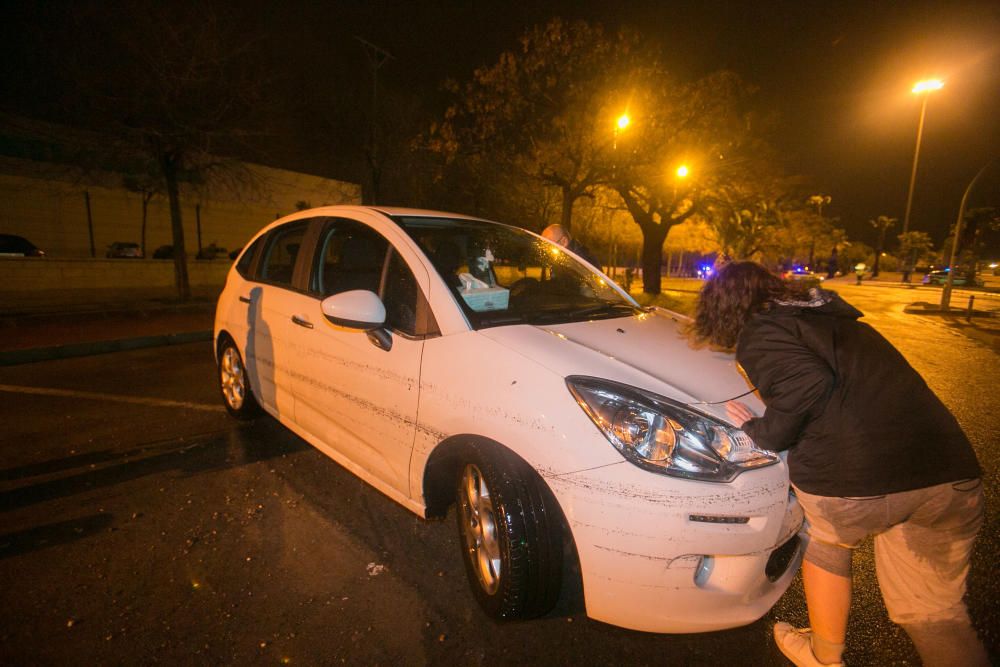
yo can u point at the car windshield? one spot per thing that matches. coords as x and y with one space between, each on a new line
504 275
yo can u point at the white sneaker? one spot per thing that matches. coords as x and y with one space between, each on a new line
796 645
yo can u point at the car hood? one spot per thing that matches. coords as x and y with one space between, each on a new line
648 350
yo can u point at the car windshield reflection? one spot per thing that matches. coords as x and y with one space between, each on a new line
503 275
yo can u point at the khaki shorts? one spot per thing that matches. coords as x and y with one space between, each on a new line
923 541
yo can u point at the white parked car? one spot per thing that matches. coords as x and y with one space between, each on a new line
447 359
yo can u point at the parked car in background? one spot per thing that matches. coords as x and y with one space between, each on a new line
123 249
12 245
802 273
164 252
940 277
445 359
211 251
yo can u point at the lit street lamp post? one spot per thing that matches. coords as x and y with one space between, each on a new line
921 88
621 124
946 291
680 174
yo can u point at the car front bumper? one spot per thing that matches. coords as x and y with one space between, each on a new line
659 554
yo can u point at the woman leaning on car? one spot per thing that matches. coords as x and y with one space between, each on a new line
871 451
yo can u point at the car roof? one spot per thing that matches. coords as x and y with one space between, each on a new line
346 209
387 210
419 213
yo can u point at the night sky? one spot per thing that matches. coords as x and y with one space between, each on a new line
837 75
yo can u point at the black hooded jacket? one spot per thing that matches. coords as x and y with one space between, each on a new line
856 418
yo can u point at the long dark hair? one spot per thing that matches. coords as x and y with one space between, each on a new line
731 297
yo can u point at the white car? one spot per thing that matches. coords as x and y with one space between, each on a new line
447 359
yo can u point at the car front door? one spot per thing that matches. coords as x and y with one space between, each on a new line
358 400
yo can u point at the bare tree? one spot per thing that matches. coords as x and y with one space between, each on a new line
544 111
171 84
147 184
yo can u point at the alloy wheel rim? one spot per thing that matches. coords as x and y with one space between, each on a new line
480 528
233 378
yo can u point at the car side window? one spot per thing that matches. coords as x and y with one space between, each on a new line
351 256
246 259
283 244
406 309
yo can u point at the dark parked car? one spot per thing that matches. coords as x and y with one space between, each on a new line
941 277
211 251
164 252
12 245
124 249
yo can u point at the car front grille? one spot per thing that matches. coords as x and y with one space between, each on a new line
781 558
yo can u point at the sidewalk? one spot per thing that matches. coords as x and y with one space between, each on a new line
27 337
984 325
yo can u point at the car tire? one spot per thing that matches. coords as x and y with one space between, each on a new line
234 382
510 531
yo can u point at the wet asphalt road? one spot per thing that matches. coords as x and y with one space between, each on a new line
142 525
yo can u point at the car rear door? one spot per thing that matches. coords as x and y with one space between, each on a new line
271 300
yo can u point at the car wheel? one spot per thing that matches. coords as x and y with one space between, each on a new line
510 531
235 384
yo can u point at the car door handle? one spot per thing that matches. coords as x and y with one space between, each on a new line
245 299
301 322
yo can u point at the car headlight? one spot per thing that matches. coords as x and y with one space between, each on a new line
665 436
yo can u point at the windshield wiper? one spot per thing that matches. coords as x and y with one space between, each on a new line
608 308
499 320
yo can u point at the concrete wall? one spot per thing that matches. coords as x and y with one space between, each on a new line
47 204
31 283
41 274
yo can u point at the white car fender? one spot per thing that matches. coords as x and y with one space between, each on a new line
471 385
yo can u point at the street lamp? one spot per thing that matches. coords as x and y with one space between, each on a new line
620 125
923 88
679 175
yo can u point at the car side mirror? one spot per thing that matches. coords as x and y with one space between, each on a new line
359 309
356 309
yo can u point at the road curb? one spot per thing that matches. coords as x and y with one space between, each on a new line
30 355
924 308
